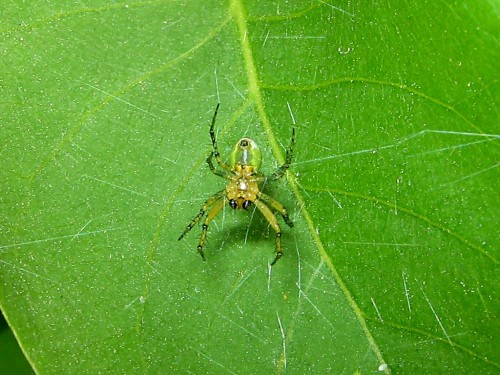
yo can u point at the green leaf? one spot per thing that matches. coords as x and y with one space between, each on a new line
393 190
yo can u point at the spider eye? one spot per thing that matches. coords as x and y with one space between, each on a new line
233 203
247 204
244 143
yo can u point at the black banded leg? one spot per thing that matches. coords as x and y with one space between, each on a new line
277 206
218 205
202 240
208 203
279 251
289 155
213 169
215 152
274 223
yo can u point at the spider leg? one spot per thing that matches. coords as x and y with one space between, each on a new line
215 152
289 154
274 223
277 206
208 204
214 170
217 206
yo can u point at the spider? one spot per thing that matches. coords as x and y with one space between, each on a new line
244 187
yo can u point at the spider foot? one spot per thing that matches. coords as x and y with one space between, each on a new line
200 250
279 254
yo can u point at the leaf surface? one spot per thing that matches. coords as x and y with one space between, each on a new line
393 188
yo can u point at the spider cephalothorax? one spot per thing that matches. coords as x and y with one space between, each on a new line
245 163
243 189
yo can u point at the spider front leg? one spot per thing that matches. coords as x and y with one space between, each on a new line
214 170
274 223
213 205
289 154
215 152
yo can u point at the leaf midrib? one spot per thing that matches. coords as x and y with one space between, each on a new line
254 85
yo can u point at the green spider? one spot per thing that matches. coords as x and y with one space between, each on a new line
244 187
